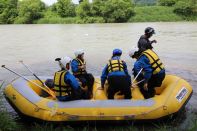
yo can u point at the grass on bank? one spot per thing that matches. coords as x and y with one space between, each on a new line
53 18
155 14
6 122
142 14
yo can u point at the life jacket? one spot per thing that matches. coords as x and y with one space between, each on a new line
115 65
60 87
80 70
155 62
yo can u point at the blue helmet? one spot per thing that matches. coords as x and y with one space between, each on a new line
117 52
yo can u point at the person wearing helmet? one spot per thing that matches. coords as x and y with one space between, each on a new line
117 75
66 86
78 66
144 43
153 72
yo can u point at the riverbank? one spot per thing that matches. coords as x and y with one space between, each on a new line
142 14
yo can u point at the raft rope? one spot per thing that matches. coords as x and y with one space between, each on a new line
164 105
144 113
54 109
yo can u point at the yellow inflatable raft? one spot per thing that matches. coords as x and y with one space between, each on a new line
27 101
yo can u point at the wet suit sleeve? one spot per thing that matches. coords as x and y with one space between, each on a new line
74 66
143 62
71 81
125 68
104 76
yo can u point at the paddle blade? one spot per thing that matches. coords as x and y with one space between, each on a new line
57 59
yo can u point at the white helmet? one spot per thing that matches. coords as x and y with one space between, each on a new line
65 60
79 52
132 51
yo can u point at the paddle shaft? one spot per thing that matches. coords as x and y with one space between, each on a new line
31 72
48 91
60 63
138 82
137 75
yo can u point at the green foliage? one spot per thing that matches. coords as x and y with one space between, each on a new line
3 5
145 2
154 13
84 9
167 2
90 20
97 7
8 11
59 20
186 8
99 11
90 13
110 10
7 123
65 8
30 10
118 10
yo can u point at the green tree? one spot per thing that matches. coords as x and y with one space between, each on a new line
2 6
167 2
65 8
118 10
8 11
98 7
186 7
80 1
30 10
145 2
84 9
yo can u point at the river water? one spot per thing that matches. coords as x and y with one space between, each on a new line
39 45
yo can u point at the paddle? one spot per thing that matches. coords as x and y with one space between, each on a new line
60 63
36 77
32 72
1 84
133 85
45 89
136 78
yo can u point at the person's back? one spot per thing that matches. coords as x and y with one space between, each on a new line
153 72
117 75
116 66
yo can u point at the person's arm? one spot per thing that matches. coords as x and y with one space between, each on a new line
71 81
153 41
104 76
143 62
125 68
147 68
74 66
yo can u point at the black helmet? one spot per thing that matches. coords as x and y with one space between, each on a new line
149 30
